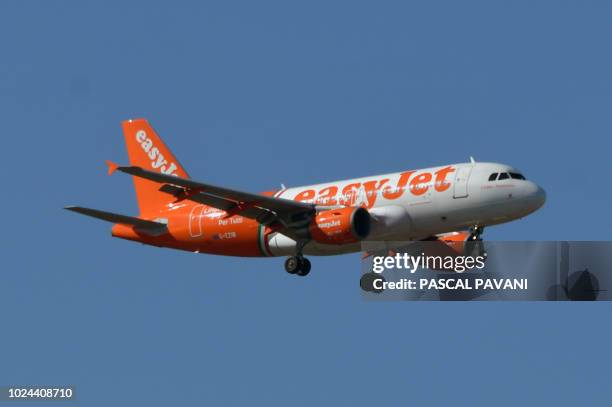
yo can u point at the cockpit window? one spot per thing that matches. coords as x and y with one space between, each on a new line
505 175
516 175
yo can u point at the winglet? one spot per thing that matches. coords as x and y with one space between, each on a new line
112 167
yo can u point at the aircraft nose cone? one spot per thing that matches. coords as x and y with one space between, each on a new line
536 197
540 196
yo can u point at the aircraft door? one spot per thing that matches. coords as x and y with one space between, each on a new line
195 221
462 177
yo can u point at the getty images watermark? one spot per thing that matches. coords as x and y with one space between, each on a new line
429 270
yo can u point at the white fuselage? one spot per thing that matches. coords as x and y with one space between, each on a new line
417 204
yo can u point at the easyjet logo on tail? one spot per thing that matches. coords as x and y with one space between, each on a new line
158 161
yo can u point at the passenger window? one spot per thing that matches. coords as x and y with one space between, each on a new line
515 175
503 175
493 177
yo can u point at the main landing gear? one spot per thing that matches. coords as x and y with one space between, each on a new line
297 265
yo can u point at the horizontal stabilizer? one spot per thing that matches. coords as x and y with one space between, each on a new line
142 225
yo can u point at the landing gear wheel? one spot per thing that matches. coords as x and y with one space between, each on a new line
297 265
304 267
292 264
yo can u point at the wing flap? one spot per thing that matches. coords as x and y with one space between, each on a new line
206 199
261 215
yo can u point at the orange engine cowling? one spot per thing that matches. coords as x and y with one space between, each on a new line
341 226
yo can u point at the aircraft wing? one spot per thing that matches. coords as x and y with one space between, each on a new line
265 209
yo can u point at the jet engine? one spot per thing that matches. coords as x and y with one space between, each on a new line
341 226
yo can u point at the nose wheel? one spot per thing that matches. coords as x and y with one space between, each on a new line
297 265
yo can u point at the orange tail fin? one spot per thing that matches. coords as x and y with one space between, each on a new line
147 150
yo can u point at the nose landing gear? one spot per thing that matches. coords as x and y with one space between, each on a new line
297 265
476 232
475 246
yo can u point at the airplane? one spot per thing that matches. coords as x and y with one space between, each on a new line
449 204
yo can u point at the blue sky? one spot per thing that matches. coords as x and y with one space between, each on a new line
252 94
